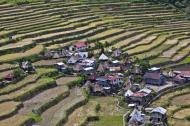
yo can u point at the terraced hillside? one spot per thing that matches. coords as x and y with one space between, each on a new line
140 28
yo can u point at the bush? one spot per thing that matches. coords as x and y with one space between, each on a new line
98 107
19 74
137 79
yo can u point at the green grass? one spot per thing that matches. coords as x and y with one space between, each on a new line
35 117
185 61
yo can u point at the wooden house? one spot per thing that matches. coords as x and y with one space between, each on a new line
78 68
185 75
88 70
154 78
82 55
60 66
136 70
10 77
79 46
117 53
73 60
103 57
102 67
98 90
27 66
136 118
158 115
179 80
141 97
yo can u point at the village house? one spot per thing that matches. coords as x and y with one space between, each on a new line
88 70
57 54
141 97
132 86
115 63
128 64
78 68
98 90
179 80
92 77
136 70
114 80
103 81
27 67
88 63
136 118
117 53
102 67
60 66
154 78
127 95
115 69
127 85
158 116
155 69
103 57
79 46
9 77
73 60
81 55
184 74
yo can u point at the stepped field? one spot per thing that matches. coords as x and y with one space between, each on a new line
140 28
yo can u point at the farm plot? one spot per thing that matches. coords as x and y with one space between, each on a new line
181 114
16 120
40 101
8 108
29 90
16 56
80 116
6 66
57 114
111 115
30 79
144 48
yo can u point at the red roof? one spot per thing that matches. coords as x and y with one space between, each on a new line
80 44
185 73
139 94
9 76
112 77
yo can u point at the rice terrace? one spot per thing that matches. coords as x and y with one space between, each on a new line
94 62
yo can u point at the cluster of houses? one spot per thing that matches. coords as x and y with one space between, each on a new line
156 117
106 75
104 72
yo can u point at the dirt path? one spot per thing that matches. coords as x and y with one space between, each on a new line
50 114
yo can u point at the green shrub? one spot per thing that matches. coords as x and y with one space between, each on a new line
19 74
98 107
